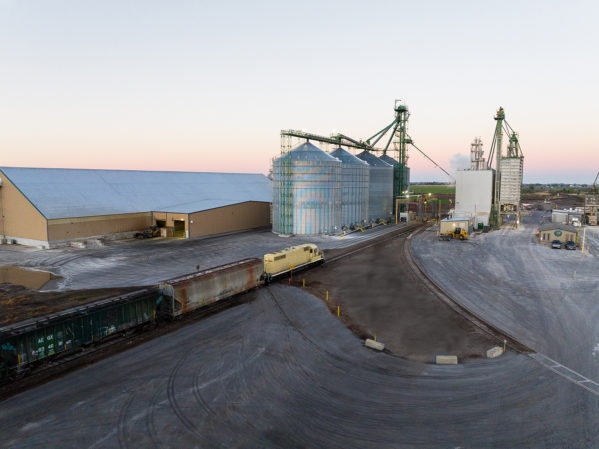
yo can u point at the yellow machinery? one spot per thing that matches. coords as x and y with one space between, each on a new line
152 232
458 233
290 259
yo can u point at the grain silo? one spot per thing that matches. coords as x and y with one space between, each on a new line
355 188
404 170
306 192
380 195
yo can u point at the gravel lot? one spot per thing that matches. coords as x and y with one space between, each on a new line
546 298
281 371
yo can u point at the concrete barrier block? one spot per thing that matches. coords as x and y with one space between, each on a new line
494 352
446 360
94 243
377 345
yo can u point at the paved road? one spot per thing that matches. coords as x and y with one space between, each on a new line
132 263
281 371
546 298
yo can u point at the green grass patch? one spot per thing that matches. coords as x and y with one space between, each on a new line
420 189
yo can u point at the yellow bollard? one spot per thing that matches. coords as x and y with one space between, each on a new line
303 283
374 337
337 310
504 342
327 295
19 359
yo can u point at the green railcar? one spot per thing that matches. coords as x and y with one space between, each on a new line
34 340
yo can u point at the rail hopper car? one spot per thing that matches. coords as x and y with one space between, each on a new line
192 291
27 344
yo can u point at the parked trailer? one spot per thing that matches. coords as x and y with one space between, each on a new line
186 293
295 258
32 341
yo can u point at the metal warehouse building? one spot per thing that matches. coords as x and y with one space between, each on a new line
46 207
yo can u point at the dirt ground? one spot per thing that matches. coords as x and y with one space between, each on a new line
379 295
20 303
561 201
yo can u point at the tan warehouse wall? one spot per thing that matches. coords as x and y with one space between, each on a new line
73 228
170 218
237 217
18 217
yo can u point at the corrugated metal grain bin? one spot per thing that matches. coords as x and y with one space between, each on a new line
195 290
355 187
306 192
380 195
405 172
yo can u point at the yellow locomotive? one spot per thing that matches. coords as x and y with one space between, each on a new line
290 259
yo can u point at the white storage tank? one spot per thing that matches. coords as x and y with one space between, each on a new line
474 195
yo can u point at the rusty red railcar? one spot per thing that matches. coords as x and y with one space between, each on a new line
191 291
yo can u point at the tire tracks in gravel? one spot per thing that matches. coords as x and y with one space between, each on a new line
122 432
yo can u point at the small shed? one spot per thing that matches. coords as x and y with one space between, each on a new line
449 224
548 232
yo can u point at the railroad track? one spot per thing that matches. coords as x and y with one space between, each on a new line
373 242
81 357
66 362
570 375
120 342
479 322
437 290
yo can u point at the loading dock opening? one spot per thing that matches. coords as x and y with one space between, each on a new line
179 228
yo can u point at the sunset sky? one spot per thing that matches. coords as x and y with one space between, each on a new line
207 86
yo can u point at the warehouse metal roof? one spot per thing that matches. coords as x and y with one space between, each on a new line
65 193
